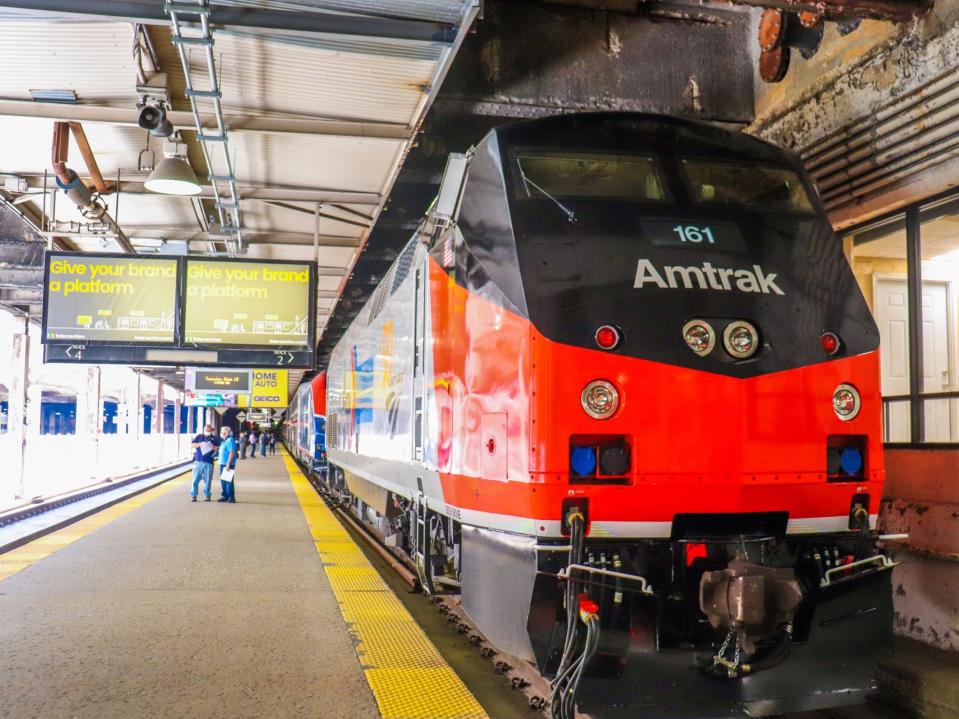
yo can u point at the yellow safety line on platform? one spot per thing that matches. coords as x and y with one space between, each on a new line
408 676
22 557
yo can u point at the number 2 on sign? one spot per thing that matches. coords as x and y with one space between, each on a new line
695 235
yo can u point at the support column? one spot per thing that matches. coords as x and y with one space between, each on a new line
177 421
133 409
17 409
89 420
158 412
158 425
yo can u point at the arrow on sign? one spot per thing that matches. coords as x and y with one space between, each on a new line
281 355
75 351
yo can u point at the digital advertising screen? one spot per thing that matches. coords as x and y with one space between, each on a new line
200 380
248 303
109 298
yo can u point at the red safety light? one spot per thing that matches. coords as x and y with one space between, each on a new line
694 552
830 342
607 337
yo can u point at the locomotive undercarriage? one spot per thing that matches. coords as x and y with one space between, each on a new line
707 626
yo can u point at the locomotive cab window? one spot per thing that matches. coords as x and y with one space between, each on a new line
770 187
589 175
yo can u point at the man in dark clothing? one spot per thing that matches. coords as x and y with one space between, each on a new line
244 439
204 448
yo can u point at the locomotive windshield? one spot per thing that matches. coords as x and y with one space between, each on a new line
582 174
742 184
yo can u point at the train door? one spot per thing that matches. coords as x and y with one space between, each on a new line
420 298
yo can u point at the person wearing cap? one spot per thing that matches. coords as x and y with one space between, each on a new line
204 446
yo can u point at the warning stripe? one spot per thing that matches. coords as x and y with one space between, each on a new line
408 676
22 557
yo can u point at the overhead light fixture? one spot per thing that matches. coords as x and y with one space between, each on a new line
173 176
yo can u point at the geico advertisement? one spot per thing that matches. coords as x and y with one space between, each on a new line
247 303
269 389
110 299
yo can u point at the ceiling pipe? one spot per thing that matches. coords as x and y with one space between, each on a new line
76 189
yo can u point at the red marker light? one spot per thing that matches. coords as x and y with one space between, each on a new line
607 337
830 342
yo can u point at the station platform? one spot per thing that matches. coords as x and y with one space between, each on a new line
159 607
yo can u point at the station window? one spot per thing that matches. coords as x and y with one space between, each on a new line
169 417
907 266
147 418
111 408
58 413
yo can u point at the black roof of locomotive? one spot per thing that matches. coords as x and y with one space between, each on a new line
638 131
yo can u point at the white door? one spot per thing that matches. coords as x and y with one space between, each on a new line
892 316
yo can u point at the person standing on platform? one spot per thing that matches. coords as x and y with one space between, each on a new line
254 437
272 443
244 439
204 446
227 466
264 441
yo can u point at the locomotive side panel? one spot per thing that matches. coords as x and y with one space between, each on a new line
482 379
375 392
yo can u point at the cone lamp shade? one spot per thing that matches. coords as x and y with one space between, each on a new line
173 176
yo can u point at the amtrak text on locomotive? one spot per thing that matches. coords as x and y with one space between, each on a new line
706 277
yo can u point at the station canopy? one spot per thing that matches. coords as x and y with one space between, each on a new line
321 100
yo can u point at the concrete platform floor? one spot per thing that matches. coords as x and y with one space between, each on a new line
183 610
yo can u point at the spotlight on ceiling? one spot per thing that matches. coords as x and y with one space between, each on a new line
153 118
173 176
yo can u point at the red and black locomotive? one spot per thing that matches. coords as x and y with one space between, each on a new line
620 392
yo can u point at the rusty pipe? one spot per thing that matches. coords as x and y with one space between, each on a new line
61 148
77 191
889 10
89 158
910 107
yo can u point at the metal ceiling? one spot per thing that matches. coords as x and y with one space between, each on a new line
322 99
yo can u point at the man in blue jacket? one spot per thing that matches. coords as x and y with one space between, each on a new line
227 466
204 446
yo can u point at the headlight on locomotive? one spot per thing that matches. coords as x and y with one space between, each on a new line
600 399
699 336
740 339
846 402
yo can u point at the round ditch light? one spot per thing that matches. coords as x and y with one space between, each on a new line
846 402
600 399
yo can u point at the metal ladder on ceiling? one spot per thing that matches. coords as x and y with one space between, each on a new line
225 196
